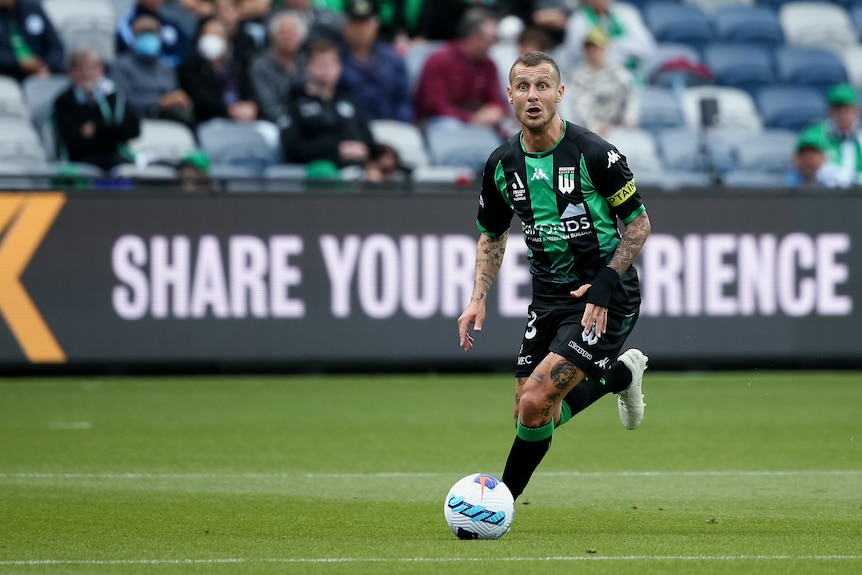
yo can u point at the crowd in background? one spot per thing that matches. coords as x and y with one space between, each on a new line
310 76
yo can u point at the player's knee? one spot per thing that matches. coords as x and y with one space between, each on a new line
534 407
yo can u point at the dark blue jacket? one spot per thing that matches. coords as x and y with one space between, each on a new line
378 85
176 44
39 33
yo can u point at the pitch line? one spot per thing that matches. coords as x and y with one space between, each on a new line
562 559
420 474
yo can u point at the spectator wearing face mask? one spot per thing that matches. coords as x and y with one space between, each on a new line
150 85
93 120
213 80
175 43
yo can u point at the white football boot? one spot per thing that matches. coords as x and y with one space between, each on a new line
630 401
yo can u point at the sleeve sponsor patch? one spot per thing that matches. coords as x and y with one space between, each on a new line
623 194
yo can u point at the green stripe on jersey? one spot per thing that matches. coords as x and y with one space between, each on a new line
546 213
600 211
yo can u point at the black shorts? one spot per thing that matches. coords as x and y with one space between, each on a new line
554 324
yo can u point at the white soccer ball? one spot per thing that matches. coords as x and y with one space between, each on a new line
479 506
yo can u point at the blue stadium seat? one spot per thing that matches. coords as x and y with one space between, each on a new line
749 24
780 3
235 143
769 151
790 107
659 109
461 145
679 23
743 66
856 17
814 67
688 150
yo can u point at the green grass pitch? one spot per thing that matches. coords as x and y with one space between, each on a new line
729 473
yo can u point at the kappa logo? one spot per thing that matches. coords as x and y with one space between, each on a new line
566 180
24 221
613 157
602 363
539 174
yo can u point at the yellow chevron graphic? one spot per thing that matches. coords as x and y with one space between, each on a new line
24 221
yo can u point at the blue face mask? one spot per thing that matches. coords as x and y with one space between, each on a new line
148 45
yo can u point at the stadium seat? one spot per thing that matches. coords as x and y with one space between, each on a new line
856 18
770 151
679 23
414 60
754 179
675 66
743 66
639 148
20 144
659 109
12 103
441 175
10 89
145 172
749 24
712 5
461 145
684 149
235 143
735 108
285 178
40 93
790 107
814 67
406 138
815 24
85 22
852 58
163 140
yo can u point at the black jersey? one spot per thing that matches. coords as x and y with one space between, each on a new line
568 199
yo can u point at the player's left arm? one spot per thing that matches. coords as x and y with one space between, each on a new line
625 204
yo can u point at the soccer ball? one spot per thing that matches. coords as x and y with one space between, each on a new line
479 506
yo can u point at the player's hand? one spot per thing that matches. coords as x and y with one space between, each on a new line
594 316
474 315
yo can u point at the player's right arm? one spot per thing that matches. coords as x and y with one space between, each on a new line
489 258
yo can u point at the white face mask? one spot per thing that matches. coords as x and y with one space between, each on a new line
212 47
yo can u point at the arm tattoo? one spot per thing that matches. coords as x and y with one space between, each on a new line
489 258
630 245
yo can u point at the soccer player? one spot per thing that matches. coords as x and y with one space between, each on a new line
568 187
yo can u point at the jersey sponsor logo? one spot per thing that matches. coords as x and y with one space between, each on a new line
566 180
519 190
539 174
613 157
623 194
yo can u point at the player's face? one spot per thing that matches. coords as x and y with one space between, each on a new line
534 93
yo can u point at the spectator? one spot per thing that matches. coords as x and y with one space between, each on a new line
631 42
533 39
840 135
274 74
150 85
193 172
320 22
383 166
175 44
549 16
29 44
460 81
250 35
440 19
93 121
602 93
373 74
326 124
212 79
809 164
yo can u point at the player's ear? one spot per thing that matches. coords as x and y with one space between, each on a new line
560 91
509 93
